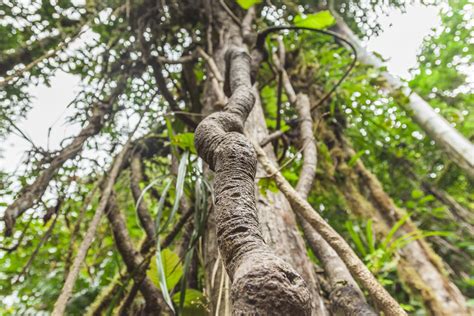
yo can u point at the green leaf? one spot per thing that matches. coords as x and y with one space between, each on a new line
162 277
265 184
356 238
194 302
182 168
394 229
354 158
370 236
184 141
191 297
317 21
416 194
172 268
152 273
161 204
246 4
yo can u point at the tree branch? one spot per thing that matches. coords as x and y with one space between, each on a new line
345 296
32 193
133 260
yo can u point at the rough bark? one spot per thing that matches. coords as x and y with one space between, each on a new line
262 283
458 148
277 220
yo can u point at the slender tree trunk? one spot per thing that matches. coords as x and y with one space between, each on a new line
458 148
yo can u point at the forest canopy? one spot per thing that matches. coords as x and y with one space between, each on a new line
237 157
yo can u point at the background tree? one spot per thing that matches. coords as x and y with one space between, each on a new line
199 229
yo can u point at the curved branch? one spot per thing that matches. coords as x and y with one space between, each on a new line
60 305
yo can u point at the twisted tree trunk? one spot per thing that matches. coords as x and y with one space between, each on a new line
261 281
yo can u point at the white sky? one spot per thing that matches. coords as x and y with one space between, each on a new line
399 43
403 35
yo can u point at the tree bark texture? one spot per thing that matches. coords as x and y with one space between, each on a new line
261 281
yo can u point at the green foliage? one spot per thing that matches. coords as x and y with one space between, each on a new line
384 137
318 21
184 141
381 256
194 303
246 4
171 269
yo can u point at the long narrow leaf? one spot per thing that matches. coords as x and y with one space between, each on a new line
187 262
183 165
395 229
148 187
370 236
142 194
356 238
162 278
161 205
